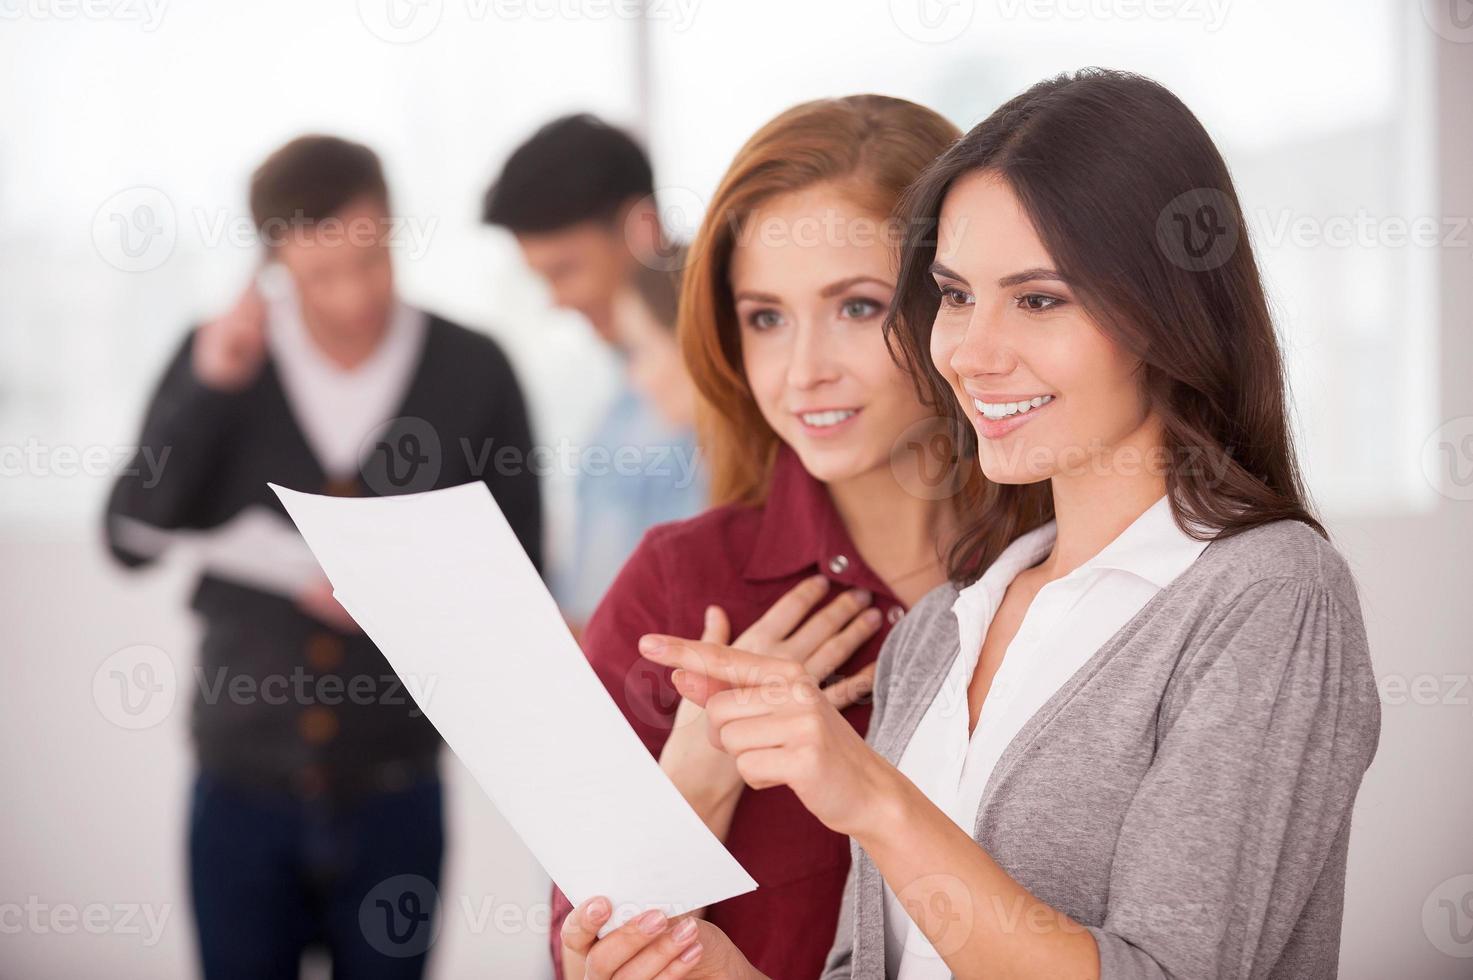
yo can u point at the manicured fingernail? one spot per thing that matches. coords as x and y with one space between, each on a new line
862 596
692 954
677 676
650 643
652 922
684 932
597 909
871 617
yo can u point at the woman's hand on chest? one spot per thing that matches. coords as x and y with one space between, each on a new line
708 776
781 728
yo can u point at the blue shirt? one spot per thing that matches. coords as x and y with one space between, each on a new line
638 472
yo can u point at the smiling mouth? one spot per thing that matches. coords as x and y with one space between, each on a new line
1001 410
827 419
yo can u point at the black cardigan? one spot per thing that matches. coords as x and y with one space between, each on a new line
314 710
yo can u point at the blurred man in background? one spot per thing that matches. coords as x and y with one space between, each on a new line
317 812
579 198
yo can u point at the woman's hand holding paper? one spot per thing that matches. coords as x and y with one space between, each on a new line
650 946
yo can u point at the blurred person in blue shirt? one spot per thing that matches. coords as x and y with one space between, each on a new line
661 478
578 196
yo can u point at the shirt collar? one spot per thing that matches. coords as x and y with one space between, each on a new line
1152 548
800 529
1027 550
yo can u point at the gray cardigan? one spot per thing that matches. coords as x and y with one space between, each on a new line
1186 796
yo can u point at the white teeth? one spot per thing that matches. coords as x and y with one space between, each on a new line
821 419
1001 410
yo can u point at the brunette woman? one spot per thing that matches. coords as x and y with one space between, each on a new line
1125 739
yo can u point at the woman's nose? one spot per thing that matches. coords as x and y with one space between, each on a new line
811 360
984 348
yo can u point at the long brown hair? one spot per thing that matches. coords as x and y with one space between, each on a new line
1135 205
873 147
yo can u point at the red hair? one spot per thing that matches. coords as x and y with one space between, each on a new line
872 147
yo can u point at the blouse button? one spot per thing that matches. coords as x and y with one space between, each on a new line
894 615
324 651
838 563
317 724
340 486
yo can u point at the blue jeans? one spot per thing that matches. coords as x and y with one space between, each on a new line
271 874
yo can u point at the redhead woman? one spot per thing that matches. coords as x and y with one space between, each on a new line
808 427
1125 738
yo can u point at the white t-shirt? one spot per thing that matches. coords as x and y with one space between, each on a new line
337 408
1066 623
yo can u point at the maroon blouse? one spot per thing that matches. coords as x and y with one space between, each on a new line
742 559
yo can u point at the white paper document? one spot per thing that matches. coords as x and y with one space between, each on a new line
440 583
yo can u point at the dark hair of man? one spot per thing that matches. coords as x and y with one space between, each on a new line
311 178
574 169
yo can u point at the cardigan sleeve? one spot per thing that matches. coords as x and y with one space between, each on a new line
889 666
840 962
185 429
636 603
1230 862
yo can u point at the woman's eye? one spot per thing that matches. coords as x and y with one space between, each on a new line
1037 302
954 297
764 319
859 309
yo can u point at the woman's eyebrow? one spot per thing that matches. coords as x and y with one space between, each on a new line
937 269
755 297
835 288
1030 275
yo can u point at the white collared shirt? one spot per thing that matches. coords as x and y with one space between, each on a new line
1069 619
337 408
